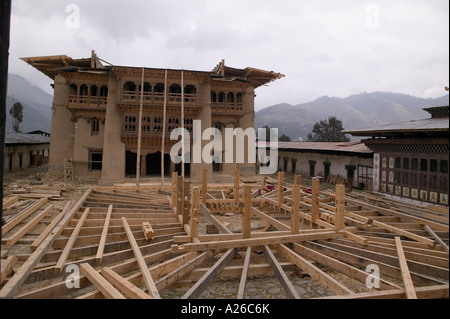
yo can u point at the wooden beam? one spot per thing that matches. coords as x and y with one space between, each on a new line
315 204
407 281
196 290
323 278
23 272
295 208
280 190
403 232
236 243
65 254
205 186
148 231
7 202
247 212
26 228
272 221
221 227
437 238
194 214
244 275
236 185
7 267
280 274
186 202
23 214
50 227
123 285
429 292
101 245
101 283
147 277
339 220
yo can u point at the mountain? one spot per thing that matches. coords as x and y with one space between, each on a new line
356 111
37 105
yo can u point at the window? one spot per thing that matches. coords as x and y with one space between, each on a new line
190 89
95 161
175 89
398 162
444 167
433 165
414 164
213 97
95 127
423 165
129 87
83 90
406 163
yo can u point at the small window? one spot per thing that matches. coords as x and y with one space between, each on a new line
444 167
398 162
433 165
423 165
95 127
415 164
406 163
96 161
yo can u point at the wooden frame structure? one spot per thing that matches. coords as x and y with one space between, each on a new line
326 236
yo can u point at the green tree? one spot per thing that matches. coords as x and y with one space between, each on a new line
16 112
328 131
284 138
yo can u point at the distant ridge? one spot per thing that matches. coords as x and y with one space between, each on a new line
356 111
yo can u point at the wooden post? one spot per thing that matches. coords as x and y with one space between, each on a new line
194 213
247 212
164 129
280 190
236 185
205 186
101 245
315 201
339 221
186 205
180 195
174 189
138 164
295 208
297 179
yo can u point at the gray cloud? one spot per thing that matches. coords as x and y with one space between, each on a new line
334 48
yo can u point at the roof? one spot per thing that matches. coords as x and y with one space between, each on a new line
22 138
354 147
422 127
51 65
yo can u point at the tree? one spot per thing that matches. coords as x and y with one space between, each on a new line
16 112
328 131
284 138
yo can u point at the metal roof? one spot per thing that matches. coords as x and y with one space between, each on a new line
22 138
322 147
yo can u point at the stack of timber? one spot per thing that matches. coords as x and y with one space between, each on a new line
150 243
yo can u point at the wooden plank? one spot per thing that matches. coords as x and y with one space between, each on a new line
339 266
244 275
429 292
326 280
26 228
7 266
268 219
101 245
123 285
7 202
205 186
404 233
339 220
236 243
280 190
315 204
280 274
147 277
247 212
236 185
65 254
437 238
50 227
101 283
196 290
22 215
407 281
24 271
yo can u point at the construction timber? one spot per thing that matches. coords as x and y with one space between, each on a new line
132 242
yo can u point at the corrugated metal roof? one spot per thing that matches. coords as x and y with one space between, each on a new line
426 125
350 147
22 138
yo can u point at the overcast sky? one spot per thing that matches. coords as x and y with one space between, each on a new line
324 47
